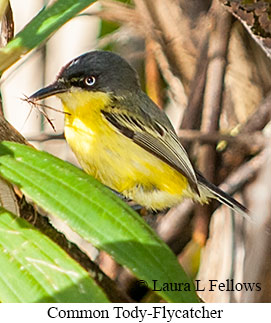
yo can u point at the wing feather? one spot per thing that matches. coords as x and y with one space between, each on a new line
156 139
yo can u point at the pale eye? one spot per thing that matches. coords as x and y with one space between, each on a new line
90 80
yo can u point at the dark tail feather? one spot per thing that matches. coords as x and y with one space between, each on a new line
222 196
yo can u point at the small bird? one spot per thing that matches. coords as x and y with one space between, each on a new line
122 138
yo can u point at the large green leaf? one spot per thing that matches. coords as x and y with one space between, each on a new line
35 269
95 213
40 27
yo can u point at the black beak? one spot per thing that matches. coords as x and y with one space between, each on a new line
52 89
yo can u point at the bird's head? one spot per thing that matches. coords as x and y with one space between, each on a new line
96 71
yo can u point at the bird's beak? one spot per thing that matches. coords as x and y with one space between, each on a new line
52 89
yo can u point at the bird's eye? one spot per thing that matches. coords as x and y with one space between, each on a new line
90 80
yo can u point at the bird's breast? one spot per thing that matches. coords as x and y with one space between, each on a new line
116 160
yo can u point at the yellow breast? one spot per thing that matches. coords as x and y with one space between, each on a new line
116 160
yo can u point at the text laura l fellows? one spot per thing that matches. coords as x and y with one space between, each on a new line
229 285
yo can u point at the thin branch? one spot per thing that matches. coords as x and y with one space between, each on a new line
259 119
233 157
152 75
252 143
212 105
175 30
150 31
242 175
192 114
171 226
45 137
217 54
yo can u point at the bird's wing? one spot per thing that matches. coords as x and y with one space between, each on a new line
154 138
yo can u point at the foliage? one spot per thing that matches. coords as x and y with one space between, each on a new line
199 63
39 29
94 212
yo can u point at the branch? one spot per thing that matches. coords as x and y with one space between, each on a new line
212 103
151 33
217 54
233 157
192 114
252 143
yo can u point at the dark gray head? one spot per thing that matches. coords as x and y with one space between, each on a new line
94 71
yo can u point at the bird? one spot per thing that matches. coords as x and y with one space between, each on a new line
121 137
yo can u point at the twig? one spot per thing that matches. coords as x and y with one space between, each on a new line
175 31
172 225
214 86
253 142
192 114
259 118
40 107
44 137
150 32
233 157
212 103
242 175
152 75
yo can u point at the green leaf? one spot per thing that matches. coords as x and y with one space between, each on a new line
96 214
40 27
35 269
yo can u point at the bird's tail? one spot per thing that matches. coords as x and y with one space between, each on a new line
215 192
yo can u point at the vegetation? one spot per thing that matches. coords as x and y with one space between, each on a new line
196 61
